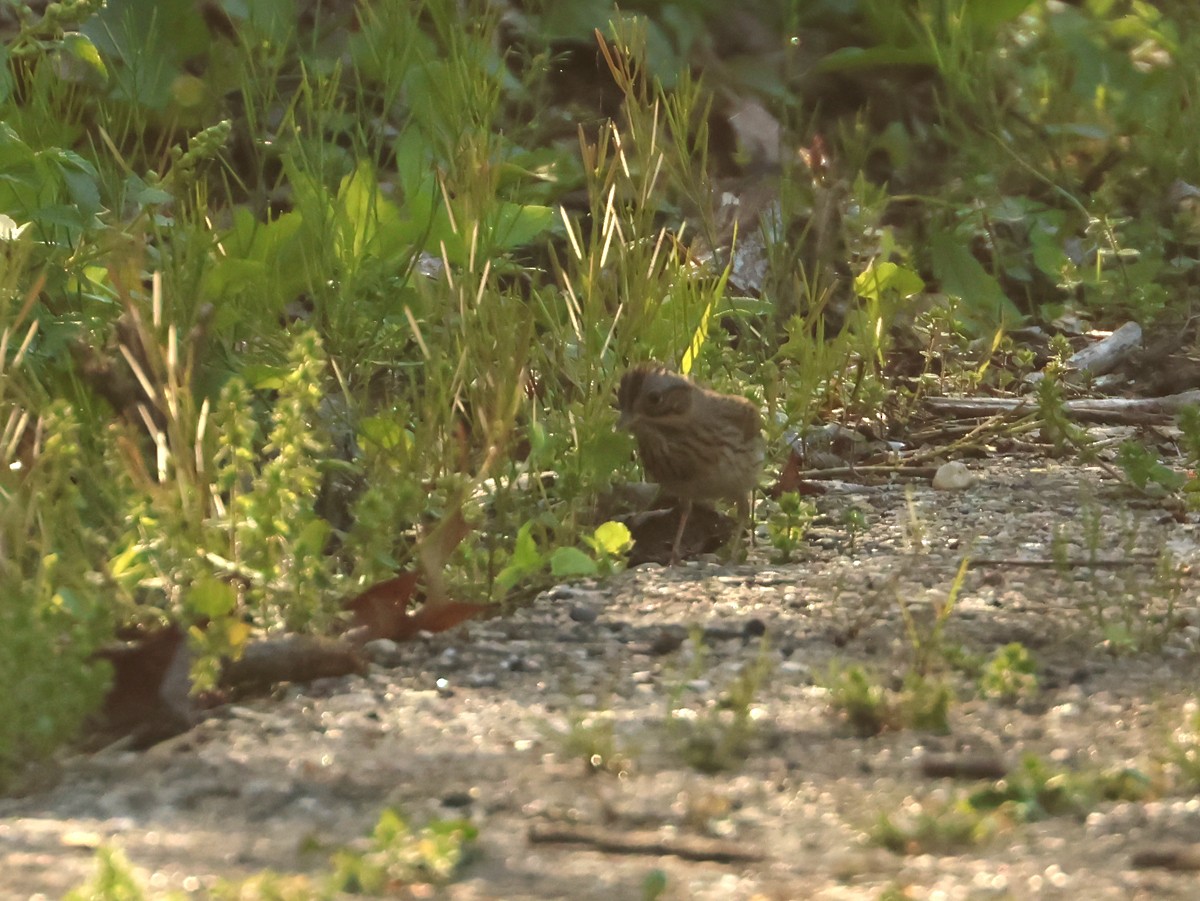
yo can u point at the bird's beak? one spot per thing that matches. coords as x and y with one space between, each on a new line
625 420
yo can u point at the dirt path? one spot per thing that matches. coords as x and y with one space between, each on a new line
495 723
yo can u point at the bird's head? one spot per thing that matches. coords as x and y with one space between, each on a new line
651 393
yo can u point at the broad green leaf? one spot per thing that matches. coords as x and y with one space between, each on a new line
962 276
313 539
61 215
1048 253
989 15
6 76
526 559
80 179
285 258
81 47
13 151
525 553
604 449
516 225
210 597
886 279
571 562
262 377
575 21
150 40
369 220
385 433
849 59
143 194
413 167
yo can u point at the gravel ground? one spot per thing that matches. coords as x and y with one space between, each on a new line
495 722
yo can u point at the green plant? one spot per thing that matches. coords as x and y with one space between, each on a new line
1036 790
397 857
608 544
719 736
1131 609
870 708
115 880
1010 675
859 698
1146 471
222 523
654 885
592 739
926 634
1056 427
933 827
854 521
54 611
400 855
788 527
1183 747
924 703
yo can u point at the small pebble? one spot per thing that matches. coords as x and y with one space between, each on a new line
581 614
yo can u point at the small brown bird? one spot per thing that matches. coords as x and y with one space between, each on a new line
695 443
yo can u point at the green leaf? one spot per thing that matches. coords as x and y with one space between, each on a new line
264 377
604 448
13 151
268 264
525 553
516 225
6 76
571 562
526 559
883 279
988 15
313 538
385 433
210 597
151 40
574 21
849 59
962 276
80 178
370 223
1048 254
81 47
613 538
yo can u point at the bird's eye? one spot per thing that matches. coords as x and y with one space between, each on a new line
654 398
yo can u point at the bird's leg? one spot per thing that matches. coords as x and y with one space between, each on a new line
685 507
746 514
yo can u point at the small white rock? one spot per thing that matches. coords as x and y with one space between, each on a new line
953 476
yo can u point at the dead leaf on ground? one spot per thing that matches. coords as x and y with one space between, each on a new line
383 611
150 696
